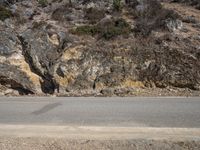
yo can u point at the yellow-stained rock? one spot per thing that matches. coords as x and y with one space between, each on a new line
132 84
72 53
99 86
64 81
54 39
23 65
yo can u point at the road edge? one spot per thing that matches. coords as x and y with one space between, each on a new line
99 132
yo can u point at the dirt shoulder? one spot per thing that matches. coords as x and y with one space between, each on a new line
104 138
9 143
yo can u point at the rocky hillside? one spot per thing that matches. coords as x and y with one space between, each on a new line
99 47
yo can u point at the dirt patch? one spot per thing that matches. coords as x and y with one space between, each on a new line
64 144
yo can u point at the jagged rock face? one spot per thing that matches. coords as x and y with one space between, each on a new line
13 77
101 67
42 49
174 67
14 71
93 68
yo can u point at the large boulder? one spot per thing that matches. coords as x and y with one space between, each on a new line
42 47
14 70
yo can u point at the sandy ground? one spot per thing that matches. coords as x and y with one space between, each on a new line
9 143
97 138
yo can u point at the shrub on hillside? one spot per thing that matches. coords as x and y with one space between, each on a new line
4 13
153 16
94 15
86 29
62 13
195 3
119 27
117 5
108 31
43 3
132 3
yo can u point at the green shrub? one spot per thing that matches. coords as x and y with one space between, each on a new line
63 12
117 5
86 29
152 17
4 13
94 15
43 3
118 27
121 23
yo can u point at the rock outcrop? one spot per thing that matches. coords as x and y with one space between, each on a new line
14 70
88 48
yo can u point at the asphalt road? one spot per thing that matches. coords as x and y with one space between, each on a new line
117 112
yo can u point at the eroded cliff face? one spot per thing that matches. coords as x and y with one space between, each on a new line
89 48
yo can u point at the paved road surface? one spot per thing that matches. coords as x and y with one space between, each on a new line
115 112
